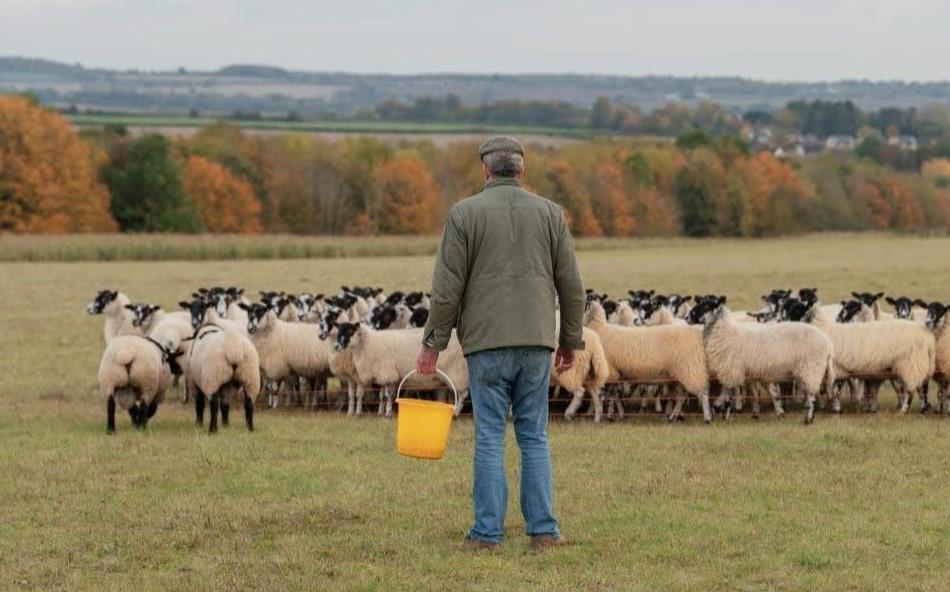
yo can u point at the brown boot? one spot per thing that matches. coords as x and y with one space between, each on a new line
544 542
470 544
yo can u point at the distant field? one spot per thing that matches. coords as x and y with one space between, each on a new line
318 501
356 127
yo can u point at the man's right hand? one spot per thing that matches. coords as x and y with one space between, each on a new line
563 359
427 361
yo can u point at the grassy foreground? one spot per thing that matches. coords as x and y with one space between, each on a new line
317 501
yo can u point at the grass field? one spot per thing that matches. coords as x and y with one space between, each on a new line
359 127
317 501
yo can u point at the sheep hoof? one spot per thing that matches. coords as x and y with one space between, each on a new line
924 408
707 421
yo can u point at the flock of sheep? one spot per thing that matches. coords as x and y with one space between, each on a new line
643 347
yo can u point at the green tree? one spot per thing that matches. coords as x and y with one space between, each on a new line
147 194
602 115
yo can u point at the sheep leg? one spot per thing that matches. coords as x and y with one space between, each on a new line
225 413
598 405
924 391
836 400
382 405
904 396
350 398
388 395
359 399
199 407
810 397
658 397
643 399
719 404
703 397
578 397
942 392
215 405
110 415
756 408
775 392
139 419
675 404
249 412
738 394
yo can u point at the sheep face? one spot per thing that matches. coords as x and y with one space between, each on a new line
413 299
904 306
419 318
774 301
610 306
347 335
867 298
646 310
395 298
198 309
795 310
328 321
936 311
383 318
678 304
102 300
141 313
257 317
849 310
706 310
638 296
303 302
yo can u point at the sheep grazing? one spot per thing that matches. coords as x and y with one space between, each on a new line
223 366
289 351
902 347
939 322
112 304
385 357
739 353
588 374
646 353
133 374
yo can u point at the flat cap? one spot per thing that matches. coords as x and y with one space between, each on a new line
500 144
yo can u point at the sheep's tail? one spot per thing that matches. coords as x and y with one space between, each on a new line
234 353
124 356
830 373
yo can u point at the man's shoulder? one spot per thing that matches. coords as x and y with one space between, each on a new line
486 196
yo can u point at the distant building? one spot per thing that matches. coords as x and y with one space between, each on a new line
904 142
840 143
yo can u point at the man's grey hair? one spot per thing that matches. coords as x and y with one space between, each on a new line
504 164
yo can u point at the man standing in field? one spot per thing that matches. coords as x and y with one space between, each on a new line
505 260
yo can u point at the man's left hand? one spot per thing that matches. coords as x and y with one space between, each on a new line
428 358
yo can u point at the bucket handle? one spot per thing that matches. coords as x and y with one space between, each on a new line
441 373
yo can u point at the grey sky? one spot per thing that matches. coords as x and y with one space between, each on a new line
765 39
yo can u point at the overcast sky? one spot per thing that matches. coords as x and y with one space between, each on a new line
764 39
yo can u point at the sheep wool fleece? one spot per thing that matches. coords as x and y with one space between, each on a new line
505 260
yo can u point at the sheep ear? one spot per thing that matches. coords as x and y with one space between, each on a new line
856 295
185 305
130 306
890 301
685 299
244 307
318 297
722 300
202 290
844 303
920 303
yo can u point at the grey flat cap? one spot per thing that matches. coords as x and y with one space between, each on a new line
500 144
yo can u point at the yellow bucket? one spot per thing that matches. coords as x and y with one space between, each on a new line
422 427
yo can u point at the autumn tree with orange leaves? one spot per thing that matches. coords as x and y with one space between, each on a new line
48 181
406 198
225 202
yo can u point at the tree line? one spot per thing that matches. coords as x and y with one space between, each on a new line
54 179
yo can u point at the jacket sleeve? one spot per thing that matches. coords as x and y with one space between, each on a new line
448 283
570 287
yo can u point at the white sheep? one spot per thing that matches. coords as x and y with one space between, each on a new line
589 374
644 353
113 305
289 350
939 322
222 366
133 373
385 357
738 353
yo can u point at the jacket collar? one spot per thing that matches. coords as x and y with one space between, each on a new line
503 181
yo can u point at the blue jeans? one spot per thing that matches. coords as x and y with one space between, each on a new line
516 376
